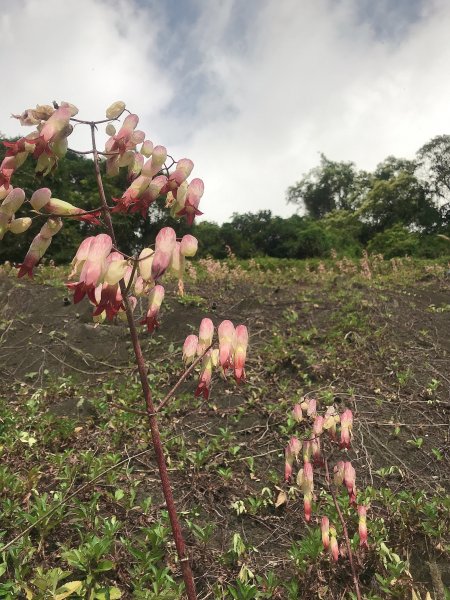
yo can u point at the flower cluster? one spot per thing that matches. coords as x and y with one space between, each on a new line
312 458
230 354
100 269
145 166
47 144
149 179
11 200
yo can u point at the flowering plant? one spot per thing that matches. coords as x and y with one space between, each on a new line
111 280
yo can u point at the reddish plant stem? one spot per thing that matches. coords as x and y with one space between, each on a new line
345 531
156 438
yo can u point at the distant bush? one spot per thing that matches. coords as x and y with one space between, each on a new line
396 241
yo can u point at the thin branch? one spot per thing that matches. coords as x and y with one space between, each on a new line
92 152
169 395
93 123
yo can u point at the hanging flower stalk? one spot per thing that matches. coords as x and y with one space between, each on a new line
111 281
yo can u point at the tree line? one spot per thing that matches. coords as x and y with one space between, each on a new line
402 207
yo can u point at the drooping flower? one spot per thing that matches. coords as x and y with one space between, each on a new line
135 167
192 200
190 349
226 334
362 525
205 335
11 203
325 529
109 296
204 383
57 123
145 263
155 162
349 481
334 548
154 304
331 420
346 428
312 407
291 452
93 268
297 413
164 245
316 451
183 170
240 352
39 246
307 450
339 473
305 480
42 200
295 446
80 256
318 425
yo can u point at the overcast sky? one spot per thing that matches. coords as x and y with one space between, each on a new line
251 90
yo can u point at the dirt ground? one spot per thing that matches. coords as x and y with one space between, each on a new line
382 351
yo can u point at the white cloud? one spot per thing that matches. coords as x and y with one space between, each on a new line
252 92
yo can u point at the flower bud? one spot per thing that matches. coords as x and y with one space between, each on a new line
226 334
154 303
40 198
325 528
334 548
13 201
297 413
115 271
147 148
339 473
240 352
362 526
189 245
115 110
145 263
349 481
20 225
205 335
190 349
51 227
346 428
110 129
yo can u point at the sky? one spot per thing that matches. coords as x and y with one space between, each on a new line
251 90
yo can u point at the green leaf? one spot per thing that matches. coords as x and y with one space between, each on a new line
112 593
68 589
104 565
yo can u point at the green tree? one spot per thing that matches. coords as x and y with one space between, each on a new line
434 167
402 199
325 188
